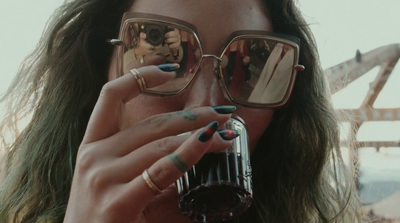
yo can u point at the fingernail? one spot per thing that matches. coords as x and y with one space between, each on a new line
168 67
208 131
162 54
224 109
228 134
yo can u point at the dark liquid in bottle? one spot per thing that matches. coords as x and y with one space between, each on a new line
225 189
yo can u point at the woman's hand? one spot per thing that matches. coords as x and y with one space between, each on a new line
246 60
108 185
144 48
173 40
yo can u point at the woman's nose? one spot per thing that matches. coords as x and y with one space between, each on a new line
205 89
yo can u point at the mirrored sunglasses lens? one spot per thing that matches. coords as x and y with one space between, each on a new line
153 43
258 70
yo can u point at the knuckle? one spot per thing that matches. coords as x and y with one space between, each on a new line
161 175
108 90
166 146
90 170
97 180
158 122
85 159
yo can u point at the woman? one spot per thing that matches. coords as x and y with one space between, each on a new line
81 157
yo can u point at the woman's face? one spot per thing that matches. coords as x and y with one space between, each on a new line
215 21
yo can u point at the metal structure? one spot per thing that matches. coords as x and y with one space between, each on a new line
343 74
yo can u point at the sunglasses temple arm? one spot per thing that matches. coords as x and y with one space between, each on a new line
114 42
299 67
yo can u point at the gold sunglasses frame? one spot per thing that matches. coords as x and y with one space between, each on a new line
242 34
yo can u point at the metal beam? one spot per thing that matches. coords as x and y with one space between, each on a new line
374 144
371 114
376 86
341 75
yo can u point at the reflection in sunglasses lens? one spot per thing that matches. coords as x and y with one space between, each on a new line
258 70
255 70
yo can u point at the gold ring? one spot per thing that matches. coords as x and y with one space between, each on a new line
140 80
150 183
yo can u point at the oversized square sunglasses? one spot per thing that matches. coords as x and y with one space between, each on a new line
255 68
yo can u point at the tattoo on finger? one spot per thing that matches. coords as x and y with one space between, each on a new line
187 114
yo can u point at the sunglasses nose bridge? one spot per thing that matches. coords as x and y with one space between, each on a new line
212 56
217 61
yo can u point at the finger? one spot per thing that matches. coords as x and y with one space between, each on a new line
174 33
173 43
148 154
134 163
154 59
165 172
174 46
147 60
150 48
172 40
106 114
168 169
163 125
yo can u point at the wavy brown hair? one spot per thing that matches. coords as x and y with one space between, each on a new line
297 170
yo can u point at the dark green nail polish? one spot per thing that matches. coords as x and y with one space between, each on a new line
228 134
168 67
224 109
208 131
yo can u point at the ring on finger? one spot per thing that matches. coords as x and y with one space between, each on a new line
178 161
140 80
150 183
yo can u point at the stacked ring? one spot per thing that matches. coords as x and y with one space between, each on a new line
150 183
140 80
